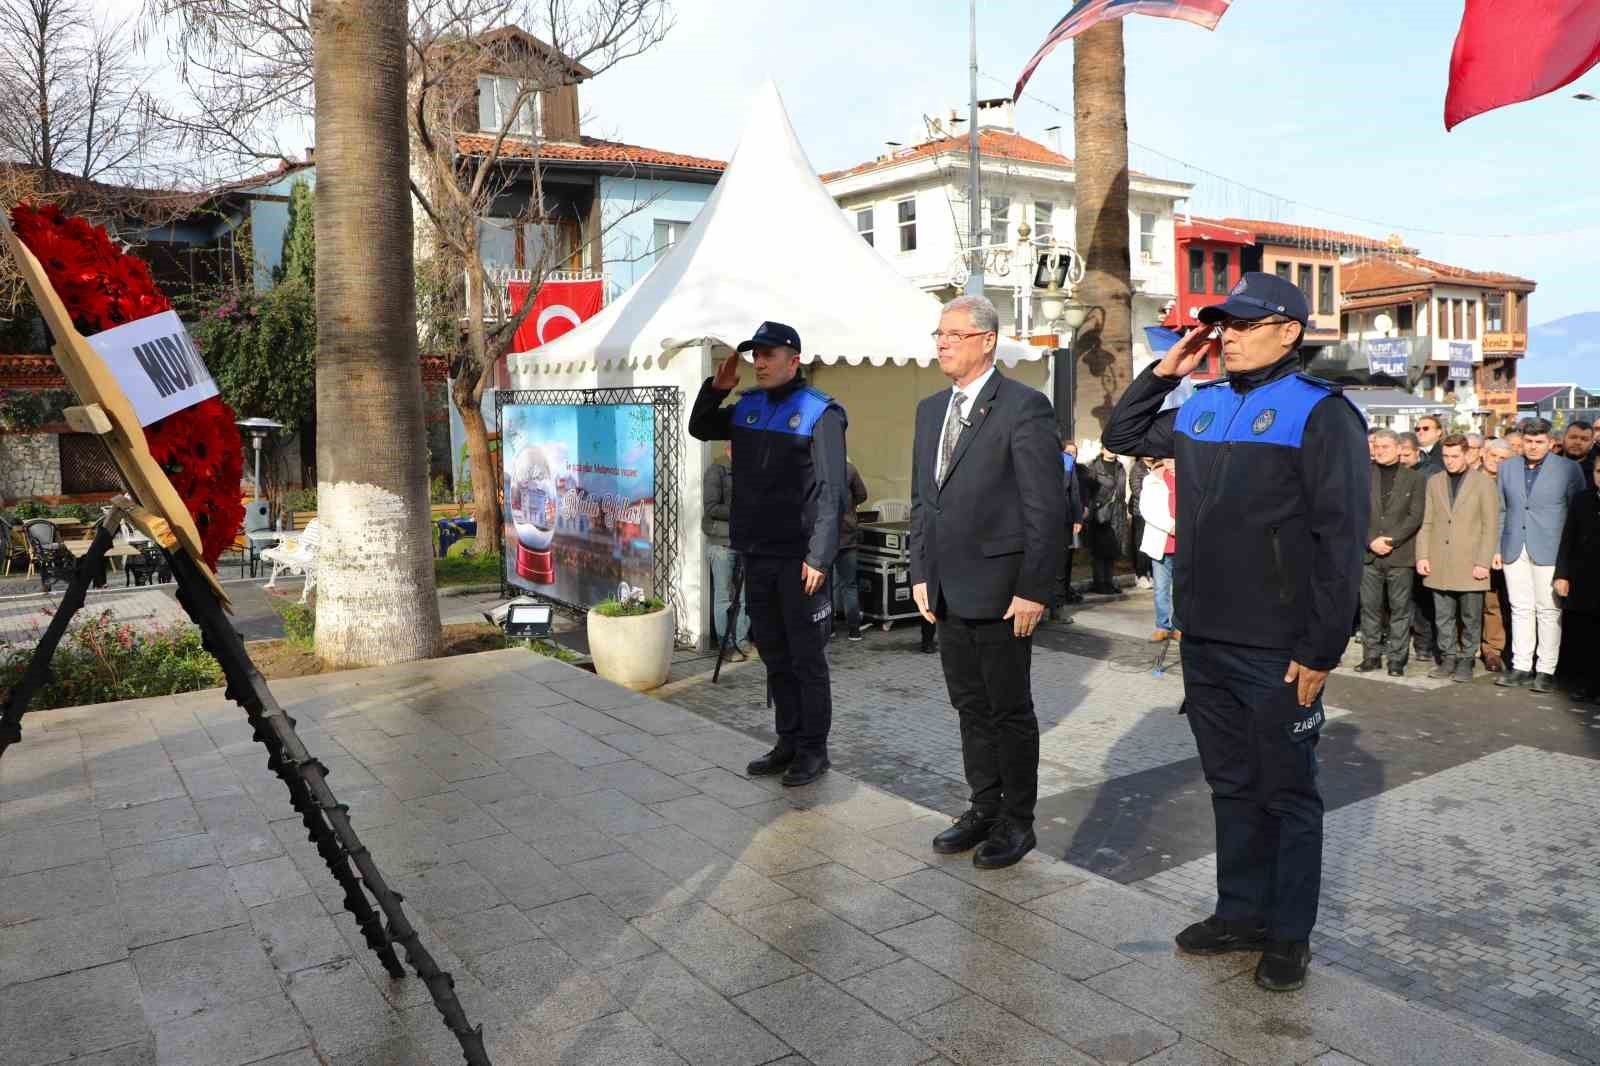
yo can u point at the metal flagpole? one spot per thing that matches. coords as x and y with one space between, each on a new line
974 285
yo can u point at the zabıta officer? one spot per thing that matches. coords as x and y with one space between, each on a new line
789 488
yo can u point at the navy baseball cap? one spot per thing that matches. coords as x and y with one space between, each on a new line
772 335
1258 295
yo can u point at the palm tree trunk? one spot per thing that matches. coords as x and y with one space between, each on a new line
1104 345
375 592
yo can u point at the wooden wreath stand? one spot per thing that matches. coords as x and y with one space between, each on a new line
156 509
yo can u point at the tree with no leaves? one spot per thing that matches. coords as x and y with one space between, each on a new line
1100 129
453 44
71 96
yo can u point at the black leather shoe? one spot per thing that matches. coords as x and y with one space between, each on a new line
1283 965
773 762
1397 668
1007 844
970 830
1514 679
806 768
1368 665
1543 683
1218 936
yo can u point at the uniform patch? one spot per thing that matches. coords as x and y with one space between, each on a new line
794 421
750 419
1238 288
824 614
1203 423
1301 728
1263 421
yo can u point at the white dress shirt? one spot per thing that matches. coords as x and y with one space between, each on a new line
972 390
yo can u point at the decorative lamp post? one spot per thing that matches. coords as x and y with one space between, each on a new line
258 429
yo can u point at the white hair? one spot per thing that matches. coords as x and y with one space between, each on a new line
980 309
1501 447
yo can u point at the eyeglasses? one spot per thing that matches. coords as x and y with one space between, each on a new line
1246 325
950 336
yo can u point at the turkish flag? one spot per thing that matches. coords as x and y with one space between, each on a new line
557 308
1514 50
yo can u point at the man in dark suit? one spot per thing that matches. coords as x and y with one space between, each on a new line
988 518
1396 502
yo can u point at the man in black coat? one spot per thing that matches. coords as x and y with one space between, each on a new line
1387 575
988 518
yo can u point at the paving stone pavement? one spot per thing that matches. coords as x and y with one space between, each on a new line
1474 887
607 888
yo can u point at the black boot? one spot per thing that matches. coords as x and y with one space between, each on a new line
1008 842
1283 965
970 830
1543 683
1463 670
1217 936
806 768
773 762
1369 663
1446 668
1397 666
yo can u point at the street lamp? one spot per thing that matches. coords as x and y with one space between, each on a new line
258 429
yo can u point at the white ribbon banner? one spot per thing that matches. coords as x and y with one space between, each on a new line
157 365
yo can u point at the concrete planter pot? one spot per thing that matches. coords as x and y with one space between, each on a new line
635 651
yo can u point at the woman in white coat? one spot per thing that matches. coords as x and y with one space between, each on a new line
1158 508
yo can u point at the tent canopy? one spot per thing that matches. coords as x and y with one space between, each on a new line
770 243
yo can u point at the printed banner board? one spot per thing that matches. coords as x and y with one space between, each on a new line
157 365
579 499
1387 356
1460 361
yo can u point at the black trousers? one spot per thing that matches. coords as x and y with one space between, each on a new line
791 630
1378 586
1465 609
1584 631
1258 748
1424 632
1143 565
988 670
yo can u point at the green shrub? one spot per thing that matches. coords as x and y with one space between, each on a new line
631 609
542 646
299 622
28 510
300 501
100 661
468 570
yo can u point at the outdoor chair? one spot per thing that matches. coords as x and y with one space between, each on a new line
13 544
149 566
891 510
257 519
49 556
297 555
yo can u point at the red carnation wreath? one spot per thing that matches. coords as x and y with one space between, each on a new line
102 286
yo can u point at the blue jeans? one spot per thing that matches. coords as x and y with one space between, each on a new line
846 591
1161 574
721 559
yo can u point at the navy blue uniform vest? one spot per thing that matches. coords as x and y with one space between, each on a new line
774 475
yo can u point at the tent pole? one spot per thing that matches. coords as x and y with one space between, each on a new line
974 285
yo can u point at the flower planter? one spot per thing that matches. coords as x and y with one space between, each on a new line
633 651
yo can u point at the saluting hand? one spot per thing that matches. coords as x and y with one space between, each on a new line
1183 357
727 375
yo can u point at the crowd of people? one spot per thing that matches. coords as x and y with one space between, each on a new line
1477 548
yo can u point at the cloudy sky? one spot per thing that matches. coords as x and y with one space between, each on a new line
1324 114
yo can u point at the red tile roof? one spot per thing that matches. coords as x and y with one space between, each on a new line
587 150
1538 393
1389 272
1289 233
1365 303
997 144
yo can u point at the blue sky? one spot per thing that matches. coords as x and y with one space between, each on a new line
1337 107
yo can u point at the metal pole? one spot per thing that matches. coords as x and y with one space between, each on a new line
256 439
974 206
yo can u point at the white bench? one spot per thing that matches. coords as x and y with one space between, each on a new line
298 555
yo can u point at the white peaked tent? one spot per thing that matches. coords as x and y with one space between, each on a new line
770 243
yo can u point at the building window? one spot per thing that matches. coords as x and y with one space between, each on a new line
1405 320
1284 271
906 211
1344 324
1197 270
999 219
1442 319
668 233
496 97
1219 272
1324 290
1044 221
1472 320
864 224
1147 236
1305 282
1455 319
1494 313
